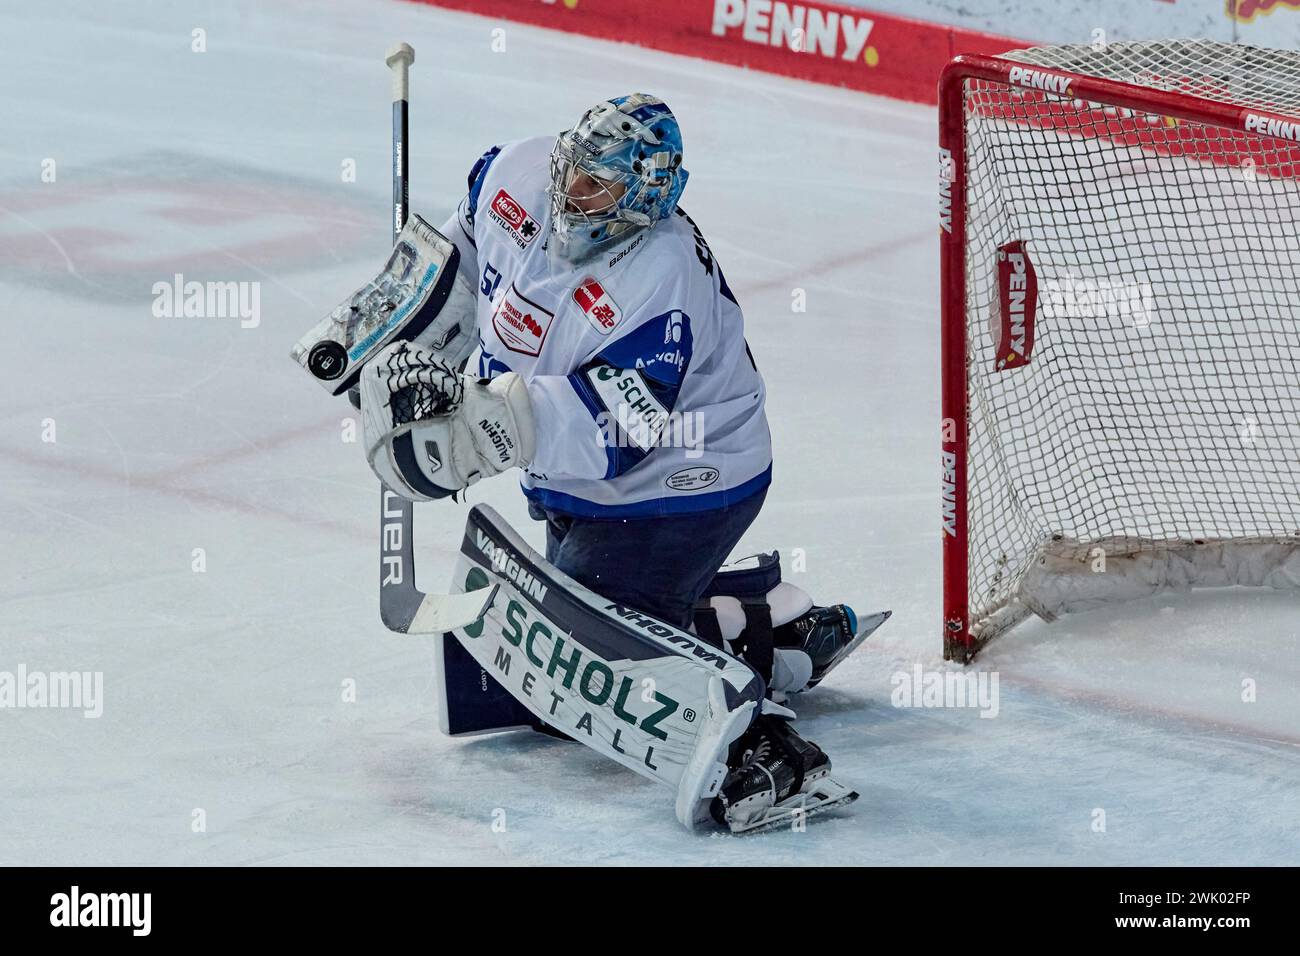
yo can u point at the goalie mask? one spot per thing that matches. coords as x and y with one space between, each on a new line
617 172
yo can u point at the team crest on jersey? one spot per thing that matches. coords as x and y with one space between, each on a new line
520 323
601 310
514 219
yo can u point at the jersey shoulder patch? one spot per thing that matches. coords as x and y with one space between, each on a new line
660 348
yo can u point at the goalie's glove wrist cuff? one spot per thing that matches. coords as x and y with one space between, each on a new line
463 430
490 432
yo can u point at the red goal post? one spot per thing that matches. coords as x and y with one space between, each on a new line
1145 124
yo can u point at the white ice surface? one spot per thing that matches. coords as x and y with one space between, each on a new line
223 689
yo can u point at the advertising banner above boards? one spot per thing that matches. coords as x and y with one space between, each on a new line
1269 23
833 43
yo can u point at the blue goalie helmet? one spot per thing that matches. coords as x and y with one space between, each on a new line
618 171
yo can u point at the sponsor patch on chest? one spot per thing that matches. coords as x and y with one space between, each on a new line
596 303
514 219
520 323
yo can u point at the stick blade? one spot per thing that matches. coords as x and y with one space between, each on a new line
440 613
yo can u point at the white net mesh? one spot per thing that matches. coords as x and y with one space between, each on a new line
1223 72
1160 411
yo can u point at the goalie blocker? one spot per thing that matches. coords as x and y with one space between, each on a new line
421 296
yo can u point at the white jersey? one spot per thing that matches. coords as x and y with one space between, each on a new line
645 397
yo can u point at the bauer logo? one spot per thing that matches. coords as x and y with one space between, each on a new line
1017 300
514 219
1039 80
601 310
390 541
629 249
1272 126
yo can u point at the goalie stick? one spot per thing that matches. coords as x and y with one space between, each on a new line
402 606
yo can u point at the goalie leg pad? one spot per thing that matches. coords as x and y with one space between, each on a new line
650 696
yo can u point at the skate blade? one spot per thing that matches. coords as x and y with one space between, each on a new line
866 627
816 798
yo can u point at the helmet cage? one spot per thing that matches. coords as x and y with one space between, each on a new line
612 147
567 213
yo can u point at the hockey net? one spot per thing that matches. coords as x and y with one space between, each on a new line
1121 308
